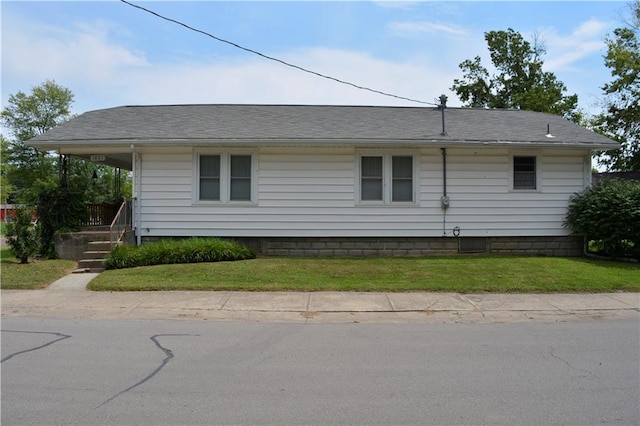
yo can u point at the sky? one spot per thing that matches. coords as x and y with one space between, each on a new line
109 53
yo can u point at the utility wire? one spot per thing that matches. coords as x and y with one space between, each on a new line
271 58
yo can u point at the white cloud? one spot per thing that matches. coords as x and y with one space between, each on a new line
260 81
565 51
80 52
103 73
421 27
396 4
96 61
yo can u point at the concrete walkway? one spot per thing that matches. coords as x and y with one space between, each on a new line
68 298
76 282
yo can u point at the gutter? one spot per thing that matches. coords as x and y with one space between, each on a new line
417 143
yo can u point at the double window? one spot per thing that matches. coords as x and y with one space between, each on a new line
225 177
387 178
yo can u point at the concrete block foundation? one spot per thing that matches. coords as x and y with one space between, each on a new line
567 246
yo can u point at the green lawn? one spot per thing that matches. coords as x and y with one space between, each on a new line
35 274
443 274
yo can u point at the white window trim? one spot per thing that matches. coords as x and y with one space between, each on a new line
387 177
225 178
538 158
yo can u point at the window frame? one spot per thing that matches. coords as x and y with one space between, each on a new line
225 177
387 177
538 171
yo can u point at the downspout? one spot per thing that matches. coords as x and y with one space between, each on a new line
444 200
135 160
444 172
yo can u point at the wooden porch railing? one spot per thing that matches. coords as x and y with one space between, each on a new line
117 217
100 214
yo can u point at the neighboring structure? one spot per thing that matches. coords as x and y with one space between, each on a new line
597 177
7 212
344 180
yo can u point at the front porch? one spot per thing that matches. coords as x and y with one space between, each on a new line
105 226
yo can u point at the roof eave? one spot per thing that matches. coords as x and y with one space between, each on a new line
48 145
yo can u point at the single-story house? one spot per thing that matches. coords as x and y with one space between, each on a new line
344 180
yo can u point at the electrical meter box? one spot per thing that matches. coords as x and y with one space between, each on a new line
444 201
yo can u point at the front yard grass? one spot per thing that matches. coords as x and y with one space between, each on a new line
33 275
460 274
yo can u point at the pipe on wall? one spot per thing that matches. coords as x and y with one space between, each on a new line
444 200
444 171
136 192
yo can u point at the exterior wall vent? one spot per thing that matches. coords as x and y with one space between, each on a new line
472 245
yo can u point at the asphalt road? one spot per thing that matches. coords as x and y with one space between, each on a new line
60 371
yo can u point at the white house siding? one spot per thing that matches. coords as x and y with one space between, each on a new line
483 205
310 193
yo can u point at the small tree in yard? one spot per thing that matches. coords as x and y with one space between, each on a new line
58 209
22 236
609 215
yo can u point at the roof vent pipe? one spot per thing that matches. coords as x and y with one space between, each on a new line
442 107
549 135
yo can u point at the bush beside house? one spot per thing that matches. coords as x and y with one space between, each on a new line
192 250
22 236
608 214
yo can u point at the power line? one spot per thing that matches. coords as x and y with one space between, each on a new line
271 58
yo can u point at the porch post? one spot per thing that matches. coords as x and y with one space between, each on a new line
135 157
63 170
116 183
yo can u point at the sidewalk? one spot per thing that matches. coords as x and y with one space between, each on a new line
67 298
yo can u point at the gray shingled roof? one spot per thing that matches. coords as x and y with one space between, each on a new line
185 124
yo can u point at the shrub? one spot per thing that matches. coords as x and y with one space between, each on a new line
608 214
58 210
192 250
22 236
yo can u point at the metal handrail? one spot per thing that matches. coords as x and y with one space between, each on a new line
120 223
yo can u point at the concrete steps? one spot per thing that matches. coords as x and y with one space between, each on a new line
98 248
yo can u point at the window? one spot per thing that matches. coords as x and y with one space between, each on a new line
240 178
210 177
402 182
524 172
371 186
224 177
387 178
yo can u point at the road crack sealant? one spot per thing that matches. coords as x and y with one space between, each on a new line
168 357
59 335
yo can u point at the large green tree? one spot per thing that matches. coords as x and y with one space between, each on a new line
27 116
34 177
621 119
519 81
25 169
6 189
